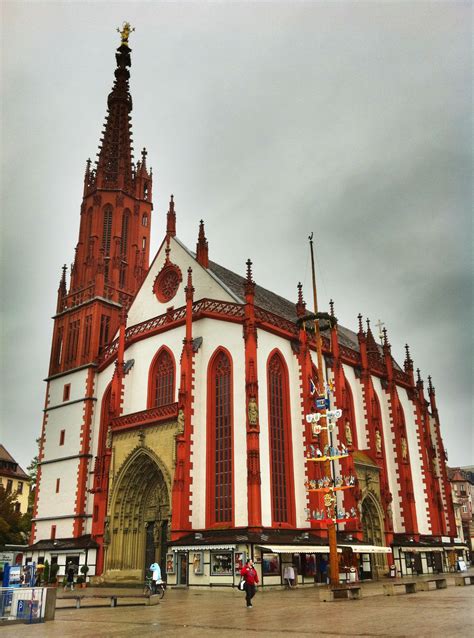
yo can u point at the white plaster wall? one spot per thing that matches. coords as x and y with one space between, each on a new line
143 352
69 418
64 529
229 336
146 305
421 500
62 503
266 344
77 381
390 455
359 409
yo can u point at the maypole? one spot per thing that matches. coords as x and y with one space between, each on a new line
323 422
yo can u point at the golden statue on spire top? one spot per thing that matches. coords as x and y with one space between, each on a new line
125 32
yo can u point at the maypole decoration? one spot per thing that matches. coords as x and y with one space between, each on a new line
323 423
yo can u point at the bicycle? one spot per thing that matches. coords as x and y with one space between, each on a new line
154 589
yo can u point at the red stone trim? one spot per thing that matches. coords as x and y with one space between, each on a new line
83 467
39 473
148 417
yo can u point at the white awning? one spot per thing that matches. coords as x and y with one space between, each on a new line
368 549
297 549
201 548
419 550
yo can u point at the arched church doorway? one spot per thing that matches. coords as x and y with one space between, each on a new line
373 534
139 517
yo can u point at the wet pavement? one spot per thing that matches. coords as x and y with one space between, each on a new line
221 612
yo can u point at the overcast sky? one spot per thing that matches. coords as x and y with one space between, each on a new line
269 121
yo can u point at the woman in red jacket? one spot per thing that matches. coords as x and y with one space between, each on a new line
249 574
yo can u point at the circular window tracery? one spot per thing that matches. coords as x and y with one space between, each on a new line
167 282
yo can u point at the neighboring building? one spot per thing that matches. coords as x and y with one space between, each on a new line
462 489
175 421
14 480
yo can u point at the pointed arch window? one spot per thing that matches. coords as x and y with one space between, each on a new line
279 428
220 506
161 387
124 247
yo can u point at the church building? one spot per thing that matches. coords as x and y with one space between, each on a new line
179 414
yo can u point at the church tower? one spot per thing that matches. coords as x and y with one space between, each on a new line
111 260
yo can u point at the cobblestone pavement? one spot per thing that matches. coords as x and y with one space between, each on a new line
446 613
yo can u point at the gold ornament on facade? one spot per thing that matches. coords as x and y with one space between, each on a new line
125 32
180 421
253 411
404 448
348 433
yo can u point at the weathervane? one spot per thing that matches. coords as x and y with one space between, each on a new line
125 32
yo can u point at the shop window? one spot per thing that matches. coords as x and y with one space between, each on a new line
66 392
221 564
240 559
271 564
198 563
170 563
62 436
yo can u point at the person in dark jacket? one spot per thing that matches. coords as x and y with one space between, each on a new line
69 578
250 576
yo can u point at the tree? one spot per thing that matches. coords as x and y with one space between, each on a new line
33 474
14 526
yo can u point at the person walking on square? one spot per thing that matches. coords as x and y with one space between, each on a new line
250 576
69 578
156 576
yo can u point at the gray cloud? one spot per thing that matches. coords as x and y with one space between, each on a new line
269 121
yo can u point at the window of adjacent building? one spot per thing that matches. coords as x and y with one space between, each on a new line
162 379
280 441
17 507
220 426
464 508
9 486
62 436
66 391
19 489
58 482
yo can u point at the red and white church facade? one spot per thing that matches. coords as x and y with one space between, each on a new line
175 421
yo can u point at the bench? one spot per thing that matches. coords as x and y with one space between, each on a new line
389 588
148 600
329 594
424 585
465 579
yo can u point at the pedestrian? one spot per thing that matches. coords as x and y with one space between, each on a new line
250 576
156 576
69 578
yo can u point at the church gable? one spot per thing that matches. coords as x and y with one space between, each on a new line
165 282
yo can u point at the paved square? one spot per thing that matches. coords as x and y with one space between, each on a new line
222 613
